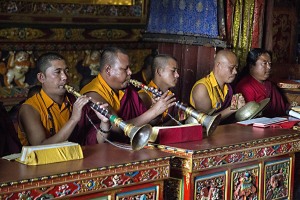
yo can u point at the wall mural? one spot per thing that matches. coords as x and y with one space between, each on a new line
77 29
74 24
18 68
73 12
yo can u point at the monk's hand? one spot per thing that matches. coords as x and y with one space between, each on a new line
241 101
156 97
234 102
99 115
163 103
77 107
237 102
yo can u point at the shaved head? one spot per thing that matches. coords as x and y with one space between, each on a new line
223 55
225 66
161 60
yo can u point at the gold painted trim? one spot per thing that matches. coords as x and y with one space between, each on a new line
159 162
242 146
96 2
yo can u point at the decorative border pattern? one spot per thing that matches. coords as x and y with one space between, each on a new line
211 158
161 163
69 26
72 13
86 181
246 155
186 39
65 39
67 35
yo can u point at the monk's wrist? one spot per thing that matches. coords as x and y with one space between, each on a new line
105 129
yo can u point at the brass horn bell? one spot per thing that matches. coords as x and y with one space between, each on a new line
209 122
139 136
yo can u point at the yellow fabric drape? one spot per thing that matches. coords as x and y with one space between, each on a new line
243 20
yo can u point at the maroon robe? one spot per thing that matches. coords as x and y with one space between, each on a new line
253 90
9 142
225 104
227 100
131 107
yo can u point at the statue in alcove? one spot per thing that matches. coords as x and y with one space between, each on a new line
92 60
18 65
89 66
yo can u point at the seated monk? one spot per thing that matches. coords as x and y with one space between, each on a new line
111 86
165 77
51 115
255 85
145 74
213 93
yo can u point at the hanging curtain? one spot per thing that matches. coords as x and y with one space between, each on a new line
184 17
245 20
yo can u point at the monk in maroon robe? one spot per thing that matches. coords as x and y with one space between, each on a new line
255 85
111 87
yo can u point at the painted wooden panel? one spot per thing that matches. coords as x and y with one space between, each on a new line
148 193
277 183
245 183
212 186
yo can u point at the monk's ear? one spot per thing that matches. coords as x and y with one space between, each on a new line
219 65
41 77
159 71
107 69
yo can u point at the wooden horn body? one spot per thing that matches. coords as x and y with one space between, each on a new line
139 136
209 122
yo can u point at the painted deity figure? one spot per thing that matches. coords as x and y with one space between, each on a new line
92 60
18 65
245 189
276 186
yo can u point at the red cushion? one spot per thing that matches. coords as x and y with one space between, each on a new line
177 134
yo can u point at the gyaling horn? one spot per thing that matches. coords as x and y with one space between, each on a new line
139 136
209 122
